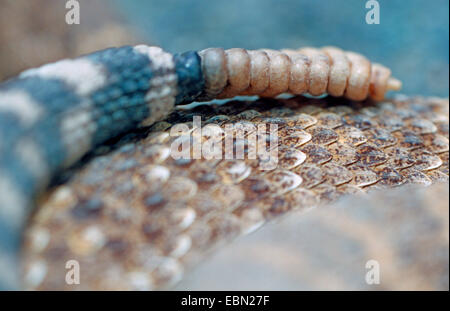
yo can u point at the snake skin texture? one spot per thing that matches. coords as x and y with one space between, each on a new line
52 116
136 218
404 230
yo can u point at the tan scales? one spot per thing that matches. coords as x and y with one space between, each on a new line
135 218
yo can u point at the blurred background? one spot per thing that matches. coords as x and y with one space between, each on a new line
412 37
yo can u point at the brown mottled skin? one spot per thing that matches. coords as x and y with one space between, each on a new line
135 218
399 229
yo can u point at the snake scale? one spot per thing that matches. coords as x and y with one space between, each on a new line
134 217
404 230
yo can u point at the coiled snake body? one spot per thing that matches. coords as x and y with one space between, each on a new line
137 217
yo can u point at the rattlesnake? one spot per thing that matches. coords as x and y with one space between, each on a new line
136 218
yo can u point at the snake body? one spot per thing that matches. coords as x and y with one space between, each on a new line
403 231
136 218
53 115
